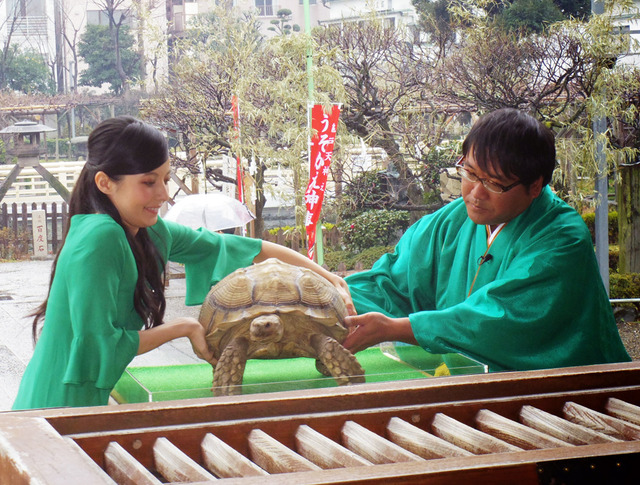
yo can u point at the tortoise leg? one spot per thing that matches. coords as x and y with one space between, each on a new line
227 376
338 361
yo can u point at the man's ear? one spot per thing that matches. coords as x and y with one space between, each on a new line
104 183
536 187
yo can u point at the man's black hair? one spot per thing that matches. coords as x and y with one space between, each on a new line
514 143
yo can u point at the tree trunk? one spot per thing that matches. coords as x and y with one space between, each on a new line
629 219
390 146
115 37
261 200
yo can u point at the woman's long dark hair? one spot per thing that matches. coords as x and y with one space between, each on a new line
121 146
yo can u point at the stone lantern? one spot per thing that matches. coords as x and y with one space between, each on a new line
26 145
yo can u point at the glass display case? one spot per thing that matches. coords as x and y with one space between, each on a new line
386 362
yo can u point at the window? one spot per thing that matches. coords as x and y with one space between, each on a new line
100 17
27 17
265 7
25 8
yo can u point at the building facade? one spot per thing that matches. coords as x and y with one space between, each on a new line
53 28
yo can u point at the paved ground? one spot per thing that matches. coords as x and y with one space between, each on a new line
24 285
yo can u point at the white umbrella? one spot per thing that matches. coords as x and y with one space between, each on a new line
214 211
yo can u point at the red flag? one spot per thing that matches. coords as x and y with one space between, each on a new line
320 152
236 125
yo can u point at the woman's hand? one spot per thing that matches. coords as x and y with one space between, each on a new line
180 327
343 290
199 343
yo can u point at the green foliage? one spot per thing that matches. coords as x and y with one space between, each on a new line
97 49
332 259
371 255
439 157
590 220
281 25
12 246
530 15
374 190
373 228
614 256
580 9
65 148
624 285
437 21
27 72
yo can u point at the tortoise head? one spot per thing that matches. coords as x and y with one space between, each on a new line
266 328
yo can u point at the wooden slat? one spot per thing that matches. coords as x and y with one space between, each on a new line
125 469
175 465
467 437
32 452
515 433
324 452
561 428
280 415
225 461
420 442
274 457
373 447
623 410
603 423
70 421
518 468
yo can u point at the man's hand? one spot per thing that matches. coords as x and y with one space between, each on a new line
373 328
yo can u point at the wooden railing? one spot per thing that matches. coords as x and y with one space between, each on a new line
17 217
573 425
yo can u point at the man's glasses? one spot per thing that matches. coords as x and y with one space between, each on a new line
494 187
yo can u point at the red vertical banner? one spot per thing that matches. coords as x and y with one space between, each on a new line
325 126
235 109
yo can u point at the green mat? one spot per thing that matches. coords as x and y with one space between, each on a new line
389 362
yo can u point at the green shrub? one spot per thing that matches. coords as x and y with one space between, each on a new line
624 285
371 255
590 220
373 228
284 229
367 257
614 257
12 246
332 260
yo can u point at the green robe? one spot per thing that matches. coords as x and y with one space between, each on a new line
91 327
538 302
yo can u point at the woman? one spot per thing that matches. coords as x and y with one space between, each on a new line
106 297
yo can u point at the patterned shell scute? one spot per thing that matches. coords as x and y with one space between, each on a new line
272 287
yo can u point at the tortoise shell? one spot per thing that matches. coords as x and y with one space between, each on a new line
305 302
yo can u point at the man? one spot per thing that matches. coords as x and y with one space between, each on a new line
506 274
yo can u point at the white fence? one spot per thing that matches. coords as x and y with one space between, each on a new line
30 187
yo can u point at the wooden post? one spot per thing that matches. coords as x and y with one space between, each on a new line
629 219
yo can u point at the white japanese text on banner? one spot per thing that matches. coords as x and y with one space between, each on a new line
320 152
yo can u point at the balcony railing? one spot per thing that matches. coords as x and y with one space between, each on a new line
31 26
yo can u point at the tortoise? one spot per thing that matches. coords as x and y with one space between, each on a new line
274 310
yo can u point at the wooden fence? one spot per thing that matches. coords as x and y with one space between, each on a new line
17 218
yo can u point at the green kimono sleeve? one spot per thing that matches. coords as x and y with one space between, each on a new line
538 303
101 346
208 256
539 312
405 281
